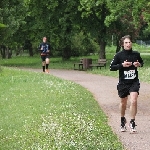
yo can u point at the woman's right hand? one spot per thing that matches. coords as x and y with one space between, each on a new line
127 64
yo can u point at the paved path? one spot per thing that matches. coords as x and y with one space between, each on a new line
104 90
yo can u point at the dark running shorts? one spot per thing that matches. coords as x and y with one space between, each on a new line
43 57
124 89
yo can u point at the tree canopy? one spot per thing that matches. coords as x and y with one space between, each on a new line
62 21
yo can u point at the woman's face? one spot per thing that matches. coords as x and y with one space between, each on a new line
127 44
44 39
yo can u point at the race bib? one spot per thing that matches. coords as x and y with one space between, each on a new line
45 48
129 74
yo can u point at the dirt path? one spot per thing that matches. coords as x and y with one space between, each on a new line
104 90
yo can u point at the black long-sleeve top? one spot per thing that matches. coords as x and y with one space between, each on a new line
45 48
126 74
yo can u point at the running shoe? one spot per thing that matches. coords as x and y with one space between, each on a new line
132 127
123 125
46 71
123 129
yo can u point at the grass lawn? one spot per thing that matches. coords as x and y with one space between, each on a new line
42 112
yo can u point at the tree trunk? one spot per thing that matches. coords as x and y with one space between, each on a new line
66 53
103 33
28 46
8 52
19 50
102 54
117 45
117 48
3 47
31 51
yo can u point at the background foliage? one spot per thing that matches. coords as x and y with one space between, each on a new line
73 27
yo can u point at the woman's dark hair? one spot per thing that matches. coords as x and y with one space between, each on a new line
123 38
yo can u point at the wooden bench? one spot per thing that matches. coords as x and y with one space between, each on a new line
80 65
100 63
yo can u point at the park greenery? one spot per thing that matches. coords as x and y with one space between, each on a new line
40 111
35 117
72 27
